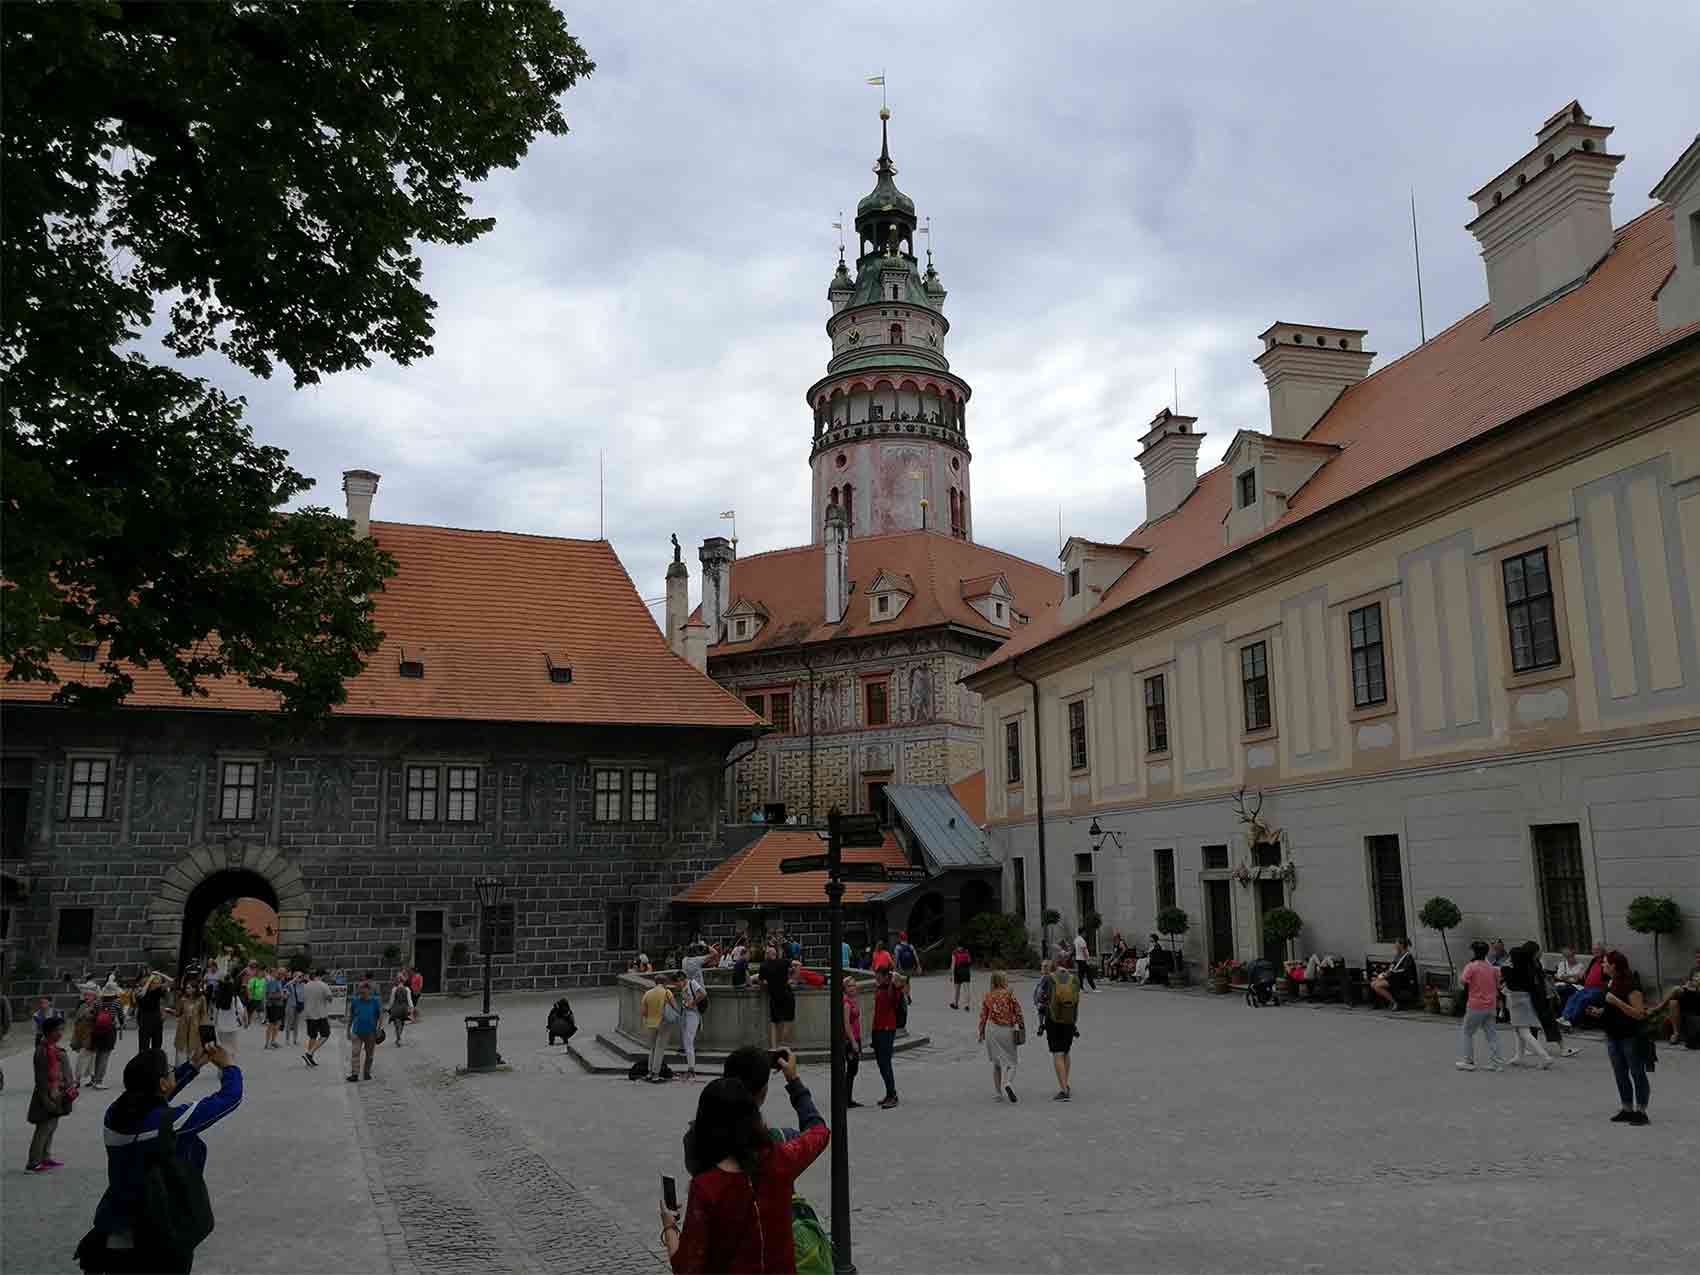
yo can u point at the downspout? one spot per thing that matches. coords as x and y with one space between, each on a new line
1039 792
810 669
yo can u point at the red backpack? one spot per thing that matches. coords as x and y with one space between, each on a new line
104 1023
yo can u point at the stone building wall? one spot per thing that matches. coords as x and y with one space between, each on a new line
329 838
809 926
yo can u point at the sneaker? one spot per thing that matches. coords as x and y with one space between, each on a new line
886 1104
1623 1117
1496 1065
1059 1096
354 1078
1010 1093
308 1059
51 1163
1568 1051
1564 1022
37 1167
1635 1117
1068 1095
1461 1065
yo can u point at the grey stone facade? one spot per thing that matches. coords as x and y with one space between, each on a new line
330 844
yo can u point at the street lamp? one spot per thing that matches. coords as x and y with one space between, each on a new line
1100 834
481 1052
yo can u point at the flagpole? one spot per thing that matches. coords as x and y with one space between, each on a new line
1417 254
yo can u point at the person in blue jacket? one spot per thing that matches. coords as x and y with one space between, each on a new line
364 1013
131 1130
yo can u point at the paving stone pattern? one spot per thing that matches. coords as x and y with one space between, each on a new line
458 1189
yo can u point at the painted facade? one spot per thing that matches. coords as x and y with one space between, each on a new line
1471 671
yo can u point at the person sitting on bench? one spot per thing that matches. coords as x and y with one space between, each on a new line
1399 980
1591 993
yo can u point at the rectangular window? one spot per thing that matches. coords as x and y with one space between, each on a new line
1387 888
1074 583
1083 865
779 711
75 931
89 778
238 789
756 705
1163 865
496 932
1077 755
421 793
1529 612
1156 716
1563 886
1247 488
645 784
1215 857
19 775
610 790
1012 752
463 794
622 926
1254 678
882 604
1369 657
874 692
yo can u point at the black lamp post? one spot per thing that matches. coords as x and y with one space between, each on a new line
481 1052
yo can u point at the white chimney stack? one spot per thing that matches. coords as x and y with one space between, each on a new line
716 556
1169 458
695 644
1545 222
359 486
836 554
1306 368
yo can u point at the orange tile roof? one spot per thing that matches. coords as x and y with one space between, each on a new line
970 791
482 609
753 876
791 583
1464 382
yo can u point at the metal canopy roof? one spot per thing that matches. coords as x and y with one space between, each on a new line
944 831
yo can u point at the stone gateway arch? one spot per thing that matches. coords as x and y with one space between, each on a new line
209 876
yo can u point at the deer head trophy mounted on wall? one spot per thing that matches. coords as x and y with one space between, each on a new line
1257 833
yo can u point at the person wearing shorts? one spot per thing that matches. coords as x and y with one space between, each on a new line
316 1009
776 975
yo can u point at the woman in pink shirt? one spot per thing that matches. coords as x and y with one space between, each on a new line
1481 983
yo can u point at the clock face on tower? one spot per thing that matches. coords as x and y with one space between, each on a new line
853 335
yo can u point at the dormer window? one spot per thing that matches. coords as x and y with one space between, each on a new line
1074 583
882 604
1247 487
742 629
997 610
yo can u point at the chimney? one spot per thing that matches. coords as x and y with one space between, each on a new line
360 485
716 556
1169 457
678 600
695 644
1679 191
1306 368
836 554
1545 222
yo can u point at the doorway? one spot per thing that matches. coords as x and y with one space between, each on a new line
877 803
428 947
1270 895
225 886
1218 901
1086 905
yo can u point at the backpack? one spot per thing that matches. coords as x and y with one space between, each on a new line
905 956
900 1010
104 1023
177 1212
1065 998
809 1239
399 999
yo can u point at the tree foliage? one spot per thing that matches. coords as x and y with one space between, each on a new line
997 936
1441 914
242 179
223 931
1172 921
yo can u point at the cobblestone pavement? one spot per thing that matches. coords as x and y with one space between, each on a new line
288 1187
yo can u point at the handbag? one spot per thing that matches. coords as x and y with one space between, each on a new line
669 1012
382 1036
1020 1034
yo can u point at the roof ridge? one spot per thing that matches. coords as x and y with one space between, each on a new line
380 523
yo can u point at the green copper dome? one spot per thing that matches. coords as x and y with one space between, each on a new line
884 199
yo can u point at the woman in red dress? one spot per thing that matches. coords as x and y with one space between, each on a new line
738 1216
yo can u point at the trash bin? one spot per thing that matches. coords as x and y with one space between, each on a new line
481 1042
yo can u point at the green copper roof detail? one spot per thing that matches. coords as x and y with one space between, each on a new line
884 197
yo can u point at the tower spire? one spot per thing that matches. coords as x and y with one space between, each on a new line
885 168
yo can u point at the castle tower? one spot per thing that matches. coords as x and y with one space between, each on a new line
890 440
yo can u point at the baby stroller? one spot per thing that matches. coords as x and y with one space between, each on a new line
1260 985
561 1021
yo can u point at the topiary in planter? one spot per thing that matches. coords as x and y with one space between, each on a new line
1173 922
1655 915
1282 925
392 954
1441 914
458 954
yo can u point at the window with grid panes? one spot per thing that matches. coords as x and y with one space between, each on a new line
1563 886
607 798
1156 716
1215 857
1247 483
779 711
238 788
645 784
874 695
1163 865
1529 615
1077 754
1012 752
496 929
421 793
462 785
1254 679
756 704
1369 656
1387 887
89 779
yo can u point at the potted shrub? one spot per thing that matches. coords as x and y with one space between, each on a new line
1282 925
1441 914
1655 915
458 954
1172 922
392 954
1223 975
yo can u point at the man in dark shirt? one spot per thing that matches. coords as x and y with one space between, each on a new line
781 1000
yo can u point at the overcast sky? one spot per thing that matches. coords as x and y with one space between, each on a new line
1120 193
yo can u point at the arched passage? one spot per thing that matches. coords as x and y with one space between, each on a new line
976 898
224 886
926 919
210 875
